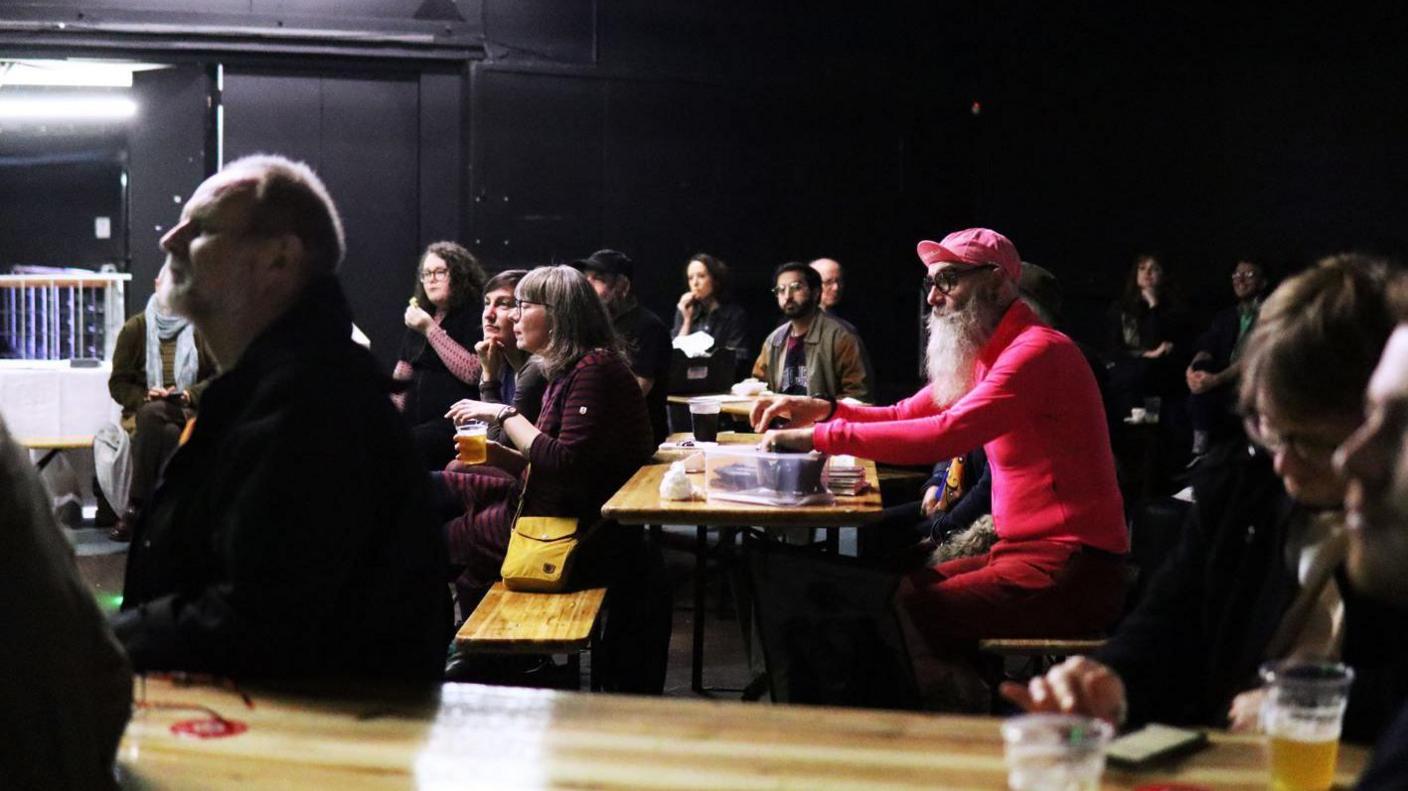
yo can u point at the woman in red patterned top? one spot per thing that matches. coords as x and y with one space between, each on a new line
437 359
592 435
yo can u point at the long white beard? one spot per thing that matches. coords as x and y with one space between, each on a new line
952 354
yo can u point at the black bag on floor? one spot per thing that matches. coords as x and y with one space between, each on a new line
830 634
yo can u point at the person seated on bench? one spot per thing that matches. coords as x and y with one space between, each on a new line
508 376
160 367
437 359
812 353
291 536
592 435
1001 379
1258 573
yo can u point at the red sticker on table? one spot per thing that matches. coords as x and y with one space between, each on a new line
209 728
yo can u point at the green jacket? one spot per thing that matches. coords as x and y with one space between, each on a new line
128 382
836 360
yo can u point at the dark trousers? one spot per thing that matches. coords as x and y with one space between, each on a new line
158 431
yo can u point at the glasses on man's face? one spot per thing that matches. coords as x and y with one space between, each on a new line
947 279
1243 277
790 288
432 275
1308 449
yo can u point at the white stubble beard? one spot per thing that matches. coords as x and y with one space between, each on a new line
955 338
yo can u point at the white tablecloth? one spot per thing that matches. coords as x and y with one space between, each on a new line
50 400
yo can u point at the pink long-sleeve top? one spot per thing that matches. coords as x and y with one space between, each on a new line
1036 410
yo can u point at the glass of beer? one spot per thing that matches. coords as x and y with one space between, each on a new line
1301 713
471 442
704 419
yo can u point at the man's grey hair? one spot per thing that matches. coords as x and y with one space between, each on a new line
289 198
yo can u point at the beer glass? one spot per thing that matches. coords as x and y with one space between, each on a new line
471 440
1301 713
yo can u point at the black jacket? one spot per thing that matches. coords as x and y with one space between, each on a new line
433 388
1196 639
292 536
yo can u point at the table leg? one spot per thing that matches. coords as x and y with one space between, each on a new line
701 568
46 458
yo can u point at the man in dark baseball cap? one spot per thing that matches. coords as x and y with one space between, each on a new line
610 273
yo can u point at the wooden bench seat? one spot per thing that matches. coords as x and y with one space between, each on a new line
509 622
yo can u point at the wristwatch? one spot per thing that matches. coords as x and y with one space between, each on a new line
504 414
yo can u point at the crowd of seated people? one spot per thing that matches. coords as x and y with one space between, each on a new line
295 536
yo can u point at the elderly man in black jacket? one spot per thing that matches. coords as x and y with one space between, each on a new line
290 536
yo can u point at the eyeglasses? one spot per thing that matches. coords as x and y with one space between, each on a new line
790 288
432 275
947 279
1307 449
520 302
1244 276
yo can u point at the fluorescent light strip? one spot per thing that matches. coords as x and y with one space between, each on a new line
73 108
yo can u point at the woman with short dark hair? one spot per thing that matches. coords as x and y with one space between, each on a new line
437 360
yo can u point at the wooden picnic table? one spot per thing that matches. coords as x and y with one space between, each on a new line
471 737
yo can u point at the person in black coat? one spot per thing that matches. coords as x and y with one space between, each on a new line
437 360
1259 573
1216 366
1148 336
291 536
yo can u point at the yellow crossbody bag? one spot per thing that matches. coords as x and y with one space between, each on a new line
540 550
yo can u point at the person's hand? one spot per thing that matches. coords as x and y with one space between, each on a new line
1244 716
930 503
468 409
1078 685
1162 350
185 398
158 393
798 410
1197 381
491 358
686 304
417 319
797 440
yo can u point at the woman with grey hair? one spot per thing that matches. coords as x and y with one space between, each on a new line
592 434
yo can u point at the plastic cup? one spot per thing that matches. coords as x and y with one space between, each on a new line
1061 751
704 419
471 442
1301 712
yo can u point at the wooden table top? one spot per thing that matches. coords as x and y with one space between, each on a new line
504 738
729 404
638 502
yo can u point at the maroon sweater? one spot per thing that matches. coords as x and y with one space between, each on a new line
595 435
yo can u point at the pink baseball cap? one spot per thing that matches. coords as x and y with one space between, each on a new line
974 247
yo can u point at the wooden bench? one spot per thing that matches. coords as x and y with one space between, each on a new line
1040 655
509 622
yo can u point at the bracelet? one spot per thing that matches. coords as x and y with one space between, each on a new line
504 414
830 412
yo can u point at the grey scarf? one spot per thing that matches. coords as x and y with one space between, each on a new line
163 327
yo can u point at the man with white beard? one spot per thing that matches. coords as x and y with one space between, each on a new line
999 378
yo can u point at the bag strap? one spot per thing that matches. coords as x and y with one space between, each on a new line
522 495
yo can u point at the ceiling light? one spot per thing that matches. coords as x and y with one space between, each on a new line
67 108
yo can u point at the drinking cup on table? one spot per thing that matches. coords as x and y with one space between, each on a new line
704 419
1137 414
471 440
1063 751
1302 711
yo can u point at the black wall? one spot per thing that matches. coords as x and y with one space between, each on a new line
764 132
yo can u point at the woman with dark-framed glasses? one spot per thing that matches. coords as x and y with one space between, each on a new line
437 360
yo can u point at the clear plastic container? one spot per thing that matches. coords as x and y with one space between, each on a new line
742 473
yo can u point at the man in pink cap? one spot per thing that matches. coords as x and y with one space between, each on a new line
999 378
